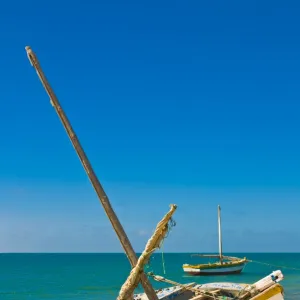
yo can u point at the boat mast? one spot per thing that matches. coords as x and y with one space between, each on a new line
220 234
92 176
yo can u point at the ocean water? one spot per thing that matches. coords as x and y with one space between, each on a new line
100 276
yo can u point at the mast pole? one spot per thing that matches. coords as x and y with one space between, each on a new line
220 234
132 257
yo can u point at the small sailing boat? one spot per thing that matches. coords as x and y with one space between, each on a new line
224 266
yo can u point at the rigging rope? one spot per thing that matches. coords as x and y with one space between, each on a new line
171 224
276 266
162 257
153 243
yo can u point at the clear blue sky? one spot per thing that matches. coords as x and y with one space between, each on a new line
187 102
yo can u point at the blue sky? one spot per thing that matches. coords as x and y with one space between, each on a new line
187 102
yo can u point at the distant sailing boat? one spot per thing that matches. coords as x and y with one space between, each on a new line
224 266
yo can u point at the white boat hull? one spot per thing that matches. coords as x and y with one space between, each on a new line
176 293
215 271
267 288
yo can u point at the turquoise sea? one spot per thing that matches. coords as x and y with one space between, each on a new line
99 276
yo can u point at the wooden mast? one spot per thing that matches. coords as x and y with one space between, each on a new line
92 176
220 234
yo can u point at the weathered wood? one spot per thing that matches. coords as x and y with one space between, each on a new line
91 174
153 243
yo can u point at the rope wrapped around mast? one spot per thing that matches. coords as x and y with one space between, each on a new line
153 243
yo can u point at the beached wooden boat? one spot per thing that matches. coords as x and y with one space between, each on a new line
267 288
225 265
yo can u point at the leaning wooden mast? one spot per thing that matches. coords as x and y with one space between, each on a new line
91 174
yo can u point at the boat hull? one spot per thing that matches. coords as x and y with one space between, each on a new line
176 293
264 289
214 270
274 292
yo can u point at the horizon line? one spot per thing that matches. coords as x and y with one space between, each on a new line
195 252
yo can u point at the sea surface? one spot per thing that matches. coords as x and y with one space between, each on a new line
100 276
